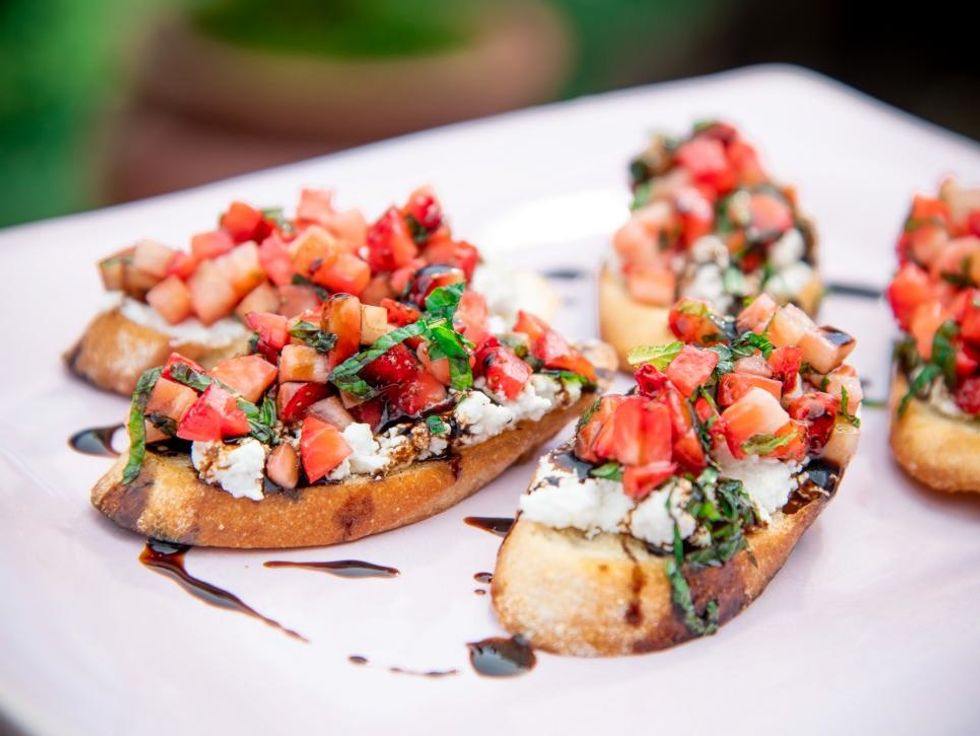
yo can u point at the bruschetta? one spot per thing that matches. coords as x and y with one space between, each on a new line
193 302
935 424
709 223
346 420
676 503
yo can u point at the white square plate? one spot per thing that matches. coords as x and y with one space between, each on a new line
870 627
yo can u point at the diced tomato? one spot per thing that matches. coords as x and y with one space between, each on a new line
530 325
770 214
506 373
263 298
967 395
651 284
689 453
178 359
650 381
456 253
639 481
756 316
214 409
170 399
152 258
294 398
418 395
275 260
212 296
332 411
758 412
734 386
303 363
322 448
211 244
691 321
691 368
296 299
401 314
785 363
345 274
341 315
589 428
282 466
472 316
243 222
788 326
390 244
171 299
705 159
249 375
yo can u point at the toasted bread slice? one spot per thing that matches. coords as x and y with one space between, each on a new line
935 449
168 501
625 323
610 595
114 350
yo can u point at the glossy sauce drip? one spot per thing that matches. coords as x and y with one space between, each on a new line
168 559
565 274
341 568
822 480
856 290
423 673
500 657
480 591
483 577
567 461
95 441
498 525
357 659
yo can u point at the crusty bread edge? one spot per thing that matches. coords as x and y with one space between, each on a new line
114 350
626 323
610 596
937 450
168 501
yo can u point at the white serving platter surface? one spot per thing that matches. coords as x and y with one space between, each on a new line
870 627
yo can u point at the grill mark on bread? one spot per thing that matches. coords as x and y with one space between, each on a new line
357 509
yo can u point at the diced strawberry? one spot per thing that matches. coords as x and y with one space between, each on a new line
316 206
419 395
282 466
506 373
211 244
842 379
249 375
754 364
313 250
705 159
332 411
689 453
171 299
574 362
691 368
650 381
734 386
303 363
373 412
402 278
182 265
432 277
756 316
346 274
785 363
639 481
395 366
152 258
212 296
530 325
264 298
758 412
910 288
826 348
243 222
242 268
770 214
696 212
170 399
472 315
745 161
788 326
177 359
967 395
651 284
273 331
341 315
322 448
294 398
691 321
214 408
399 313
374 324
296 299
457 253
795 448
438 368
275 260
591 427
377 290
390 244
424 207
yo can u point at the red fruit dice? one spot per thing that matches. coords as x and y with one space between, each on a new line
691 368
322 448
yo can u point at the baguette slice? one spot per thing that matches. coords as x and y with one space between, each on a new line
610 596
114 351
625 323
940 451
168 501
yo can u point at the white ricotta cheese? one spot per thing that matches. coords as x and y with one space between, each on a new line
366 455
767 481
481 417
237 469
789 282
788 250
653 519
223 332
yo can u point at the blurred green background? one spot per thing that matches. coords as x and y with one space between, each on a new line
82 123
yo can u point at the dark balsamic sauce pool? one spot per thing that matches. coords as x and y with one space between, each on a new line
95 441
501 657
498 525
168 559
341 568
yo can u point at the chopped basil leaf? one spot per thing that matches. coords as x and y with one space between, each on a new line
417 230
443 301
660 356
733 281
311 335
681 594
436 425
845 414
261 419
445 342
748 342
164 423
764 444
345 376
183 373
918 384
944 352
608 471
136 425
568 377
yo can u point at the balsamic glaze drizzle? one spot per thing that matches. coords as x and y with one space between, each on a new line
95 441
501 657
498 525
341 568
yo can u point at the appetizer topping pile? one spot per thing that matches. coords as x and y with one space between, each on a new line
935 297
709 223
260 261
348 388
723 426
